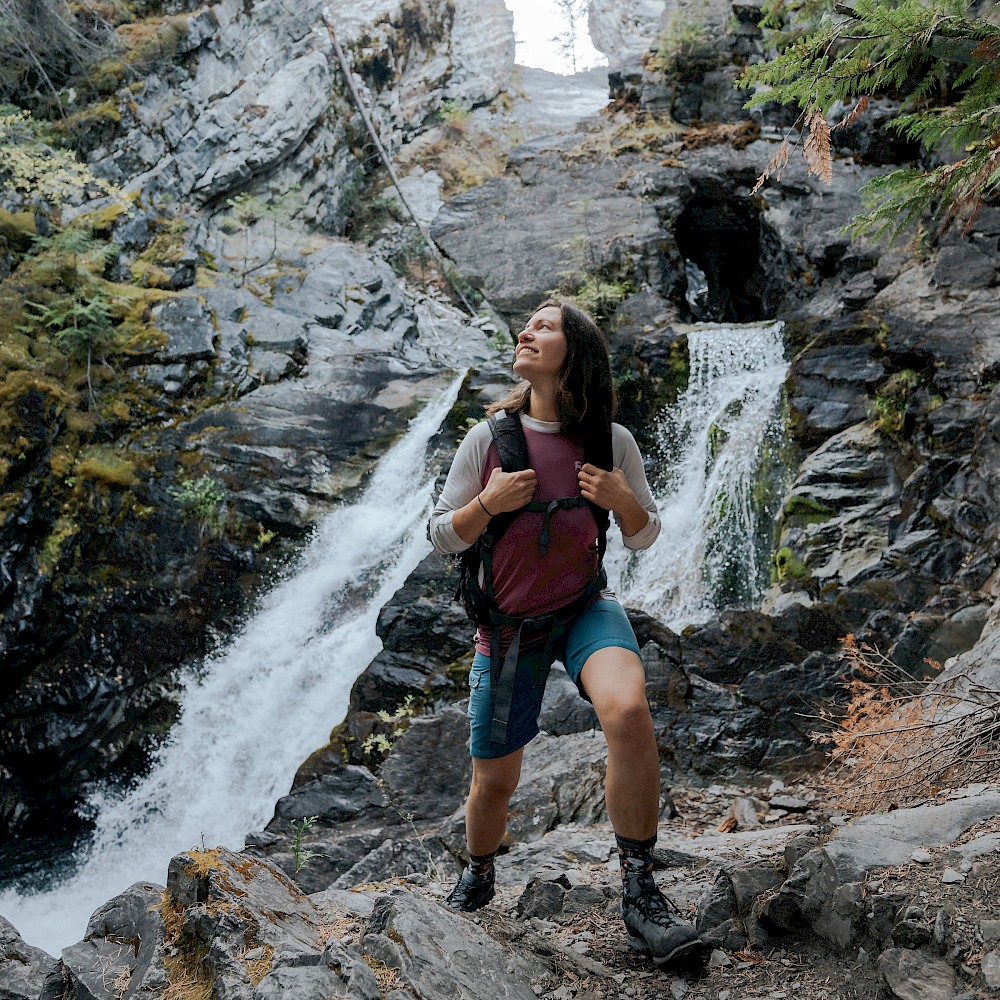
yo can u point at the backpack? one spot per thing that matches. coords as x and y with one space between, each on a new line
478 600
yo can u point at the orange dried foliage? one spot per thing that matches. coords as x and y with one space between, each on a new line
817 150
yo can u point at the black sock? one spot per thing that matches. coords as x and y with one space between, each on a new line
635 856
481 864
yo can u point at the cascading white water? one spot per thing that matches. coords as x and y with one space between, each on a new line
711 444
258 708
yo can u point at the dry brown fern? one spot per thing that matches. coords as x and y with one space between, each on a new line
901 739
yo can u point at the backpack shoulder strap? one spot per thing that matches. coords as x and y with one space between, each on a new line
599 451
508 435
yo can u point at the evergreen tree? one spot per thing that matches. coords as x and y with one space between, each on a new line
936 56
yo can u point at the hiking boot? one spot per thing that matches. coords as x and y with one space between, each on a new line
652 925
471 891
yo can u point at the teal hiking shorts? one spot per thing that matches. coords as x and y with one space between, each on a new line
603 624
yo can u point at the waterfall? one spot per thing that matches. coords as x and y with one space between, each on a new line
715 542
254 711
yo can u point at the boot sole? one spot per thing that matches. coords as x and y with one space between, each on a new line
689 947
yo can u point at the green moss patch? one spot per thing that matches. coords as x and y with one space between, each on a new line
105 465
788 566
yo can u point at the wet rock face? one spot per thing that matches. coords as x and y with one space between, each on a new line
229 113
516 235
284 392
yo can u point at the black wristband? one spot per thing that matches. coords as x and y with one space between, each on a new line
479 497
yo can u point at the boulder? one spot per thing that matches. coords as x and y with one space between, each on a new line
825 887
913 975
566 200
428 771
347 793
440 954
23 968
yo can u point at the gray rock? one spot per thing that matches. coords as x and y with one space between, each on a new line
98 969
395 858
990 969
348 793
838 513
912 975
624 30
563 781
134 916
234 118
790 803
823 888
427 773
483 231
188 327
717 910
830 388
544 896
225 900
333 903
23 968
564 711
338 972
990 930
965 266
443 955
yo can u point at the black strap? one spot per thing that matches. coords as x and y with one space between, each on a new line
504 666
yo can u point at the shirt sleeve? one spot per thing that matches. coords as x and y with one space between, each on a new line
629 460
464 483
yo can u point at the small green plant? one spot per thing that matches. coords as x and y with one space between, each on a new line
203 500
892 399
301 855
33 168
407 817
399 720
586 281
78 315
501 342
264 538
246 211
454 112
684 40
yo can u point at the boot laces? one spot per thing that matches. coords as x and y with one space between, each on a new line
652 902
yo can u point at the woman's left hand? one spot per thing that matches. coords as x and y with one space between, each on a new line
609 490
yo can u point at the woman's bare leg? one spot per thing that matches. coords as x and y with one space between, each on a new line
493 783
615 682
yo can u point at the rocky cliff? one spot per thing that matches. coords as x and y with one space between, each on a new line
150 490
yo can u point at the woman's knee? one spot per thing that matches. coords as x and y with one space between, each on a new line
495 780
626 720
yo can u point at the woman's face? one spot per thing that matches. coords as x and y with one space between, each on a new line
541 345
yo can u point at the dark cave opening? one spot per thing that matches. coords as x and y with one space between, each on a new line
736 252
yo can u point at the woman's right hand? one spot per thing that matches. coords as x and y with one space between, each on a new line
507 491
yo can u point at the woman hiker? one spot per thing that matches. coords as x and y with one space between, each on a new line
527 502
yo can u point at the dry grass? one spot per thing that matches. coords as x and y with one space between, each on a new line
900 739
463 153
258 968
336 928
187 976
387 978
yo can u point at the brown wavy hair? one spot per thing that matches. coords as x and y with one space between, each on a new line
586 401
